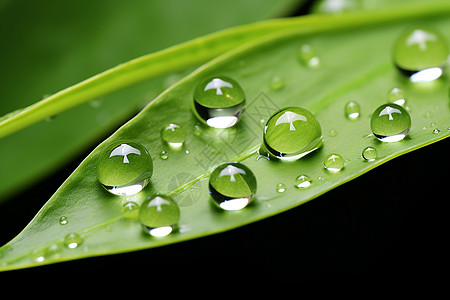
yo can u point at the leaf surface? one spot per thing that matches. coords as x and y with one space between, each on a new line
355 64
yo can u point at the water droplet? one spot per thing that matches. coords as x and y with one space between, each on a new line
332 133
428 114
390 123
397 96
339 6
302 182
197 130
281 188
163 155
72 240
232 186
38 255
369 154
420 54
276 83
307 55
352 110
130 210
436 131
63 220
124 167
219 102
159 215
173 134
292 133
333 162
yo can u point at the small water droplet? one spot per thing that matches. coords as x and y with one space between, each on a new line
332 133
302 182
72 240
390 123
333 162
63 220
130 210
38 255
163 155
436 131
219 101
124 167
198 130
420 54
397 96
173 134
232 186
307 55
428 114
159 215
369 153
281 188
291 133
276 83
352 110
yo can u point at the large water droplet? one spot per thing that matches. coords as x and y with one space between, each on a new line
159 215
352 110
390 123
369 153
292 133
72 240
333 162
420 53
124 167
307 55
173 134
303 182
219 101
232 186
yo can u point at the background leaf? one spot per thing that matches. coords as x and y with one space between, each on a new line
370 73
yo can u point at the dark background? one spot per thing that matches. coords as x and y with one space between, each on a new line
387 225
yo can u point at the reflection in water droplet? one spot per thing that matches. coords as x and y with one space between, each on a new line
232 186
173 134
63 220
72 240
159 215
163 155
124 167
307 55
436 131
333 162
390 123
291 133
276 83
303 182
420 53
219 101
352 110
369 153
397 96
281 188
130 210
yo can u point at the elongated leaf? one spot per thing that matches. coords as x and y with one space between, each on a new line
355 64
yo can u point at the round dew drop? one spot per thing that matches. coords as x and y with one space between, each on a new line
390 123
124 167
232 186
174 135
72 240
159 215
420 54
352 110
333 162
303 182
292 133
219 101
369 154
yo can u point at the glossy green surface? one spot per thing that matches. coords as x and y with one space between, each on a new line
159 211
124 163
389 120
291 132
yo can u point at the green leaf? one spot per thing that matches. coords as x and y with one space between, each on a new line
40 58
355 64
